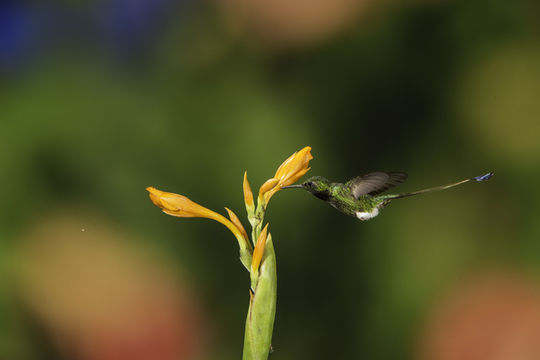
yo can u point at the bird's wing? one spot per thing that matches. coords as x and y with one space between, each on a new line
375 183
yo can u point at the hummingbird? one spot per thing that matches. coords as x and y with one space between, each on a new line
362 197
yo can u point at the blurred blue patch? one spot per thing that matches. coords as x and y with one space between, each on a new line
16 33
132 26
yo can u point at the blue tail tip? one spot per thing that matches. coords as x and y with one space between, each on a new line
484 177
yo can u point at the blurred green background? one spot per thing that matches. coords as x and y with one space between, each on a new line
99 99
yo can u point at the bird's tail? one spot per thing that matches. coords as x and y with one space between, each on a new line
438 188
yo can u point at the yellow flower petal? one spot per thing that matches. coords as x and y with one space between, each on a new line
294 178
283 167
259 249
268 185
153 196
176 205
236 221
248 194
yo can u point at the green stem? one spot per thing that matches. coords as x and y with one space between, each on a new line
262 308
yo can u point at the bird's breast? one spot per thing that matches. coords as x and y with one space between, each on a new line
363 215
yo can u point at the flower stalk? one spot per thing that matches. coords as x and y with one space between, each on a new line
257 256
262 307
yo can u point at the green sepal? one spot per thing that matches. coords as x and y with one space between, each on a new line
262 308
245 258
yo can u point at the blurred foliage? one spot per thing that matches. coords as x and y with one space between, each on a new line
96 105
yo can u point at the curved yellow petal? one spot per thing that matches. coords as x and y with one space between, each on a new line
258 252
236 221
283 167
294 178
248 194
268 185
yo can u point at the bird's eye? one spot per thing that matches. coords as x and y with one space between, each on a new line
310 184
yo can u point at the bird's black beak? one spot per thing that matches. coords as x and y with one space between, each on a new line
292 187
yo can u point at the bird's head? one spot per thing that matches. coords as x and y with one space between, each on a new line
317 185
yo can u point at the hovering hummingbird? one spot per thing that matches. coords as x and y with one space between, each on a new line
362 196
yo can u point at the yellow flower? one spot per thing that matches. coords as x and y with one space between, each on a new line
295 164
180 206
289 172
